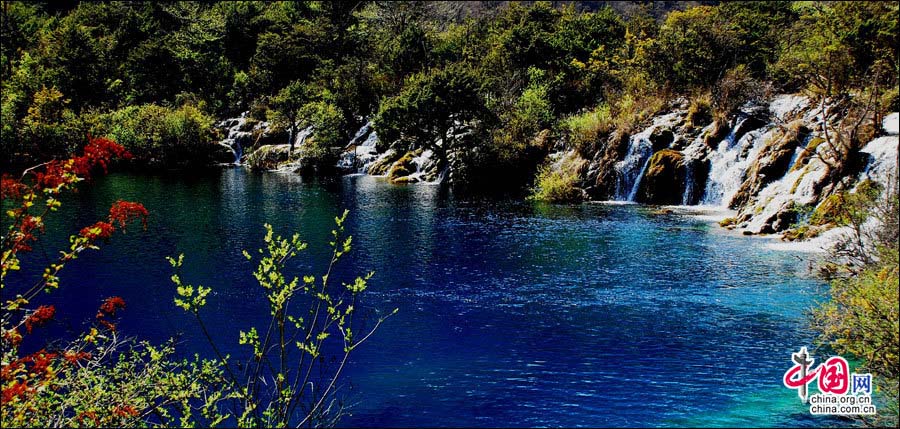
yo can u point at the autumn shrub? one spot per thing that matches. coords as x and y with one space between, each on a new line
862 318
96 379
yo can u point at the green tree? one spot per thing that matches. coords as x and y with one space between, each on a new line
287 107
428 107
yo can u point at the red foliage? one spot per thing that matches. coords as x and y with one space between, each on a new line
41 363
125 411
101 229
26 233
55 176
108 309
13 337
40 317
10 188
124 211
84 415
110 306
7 372
121 212
17 389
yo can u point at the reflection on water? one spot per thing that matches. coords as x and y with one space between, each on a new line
510 313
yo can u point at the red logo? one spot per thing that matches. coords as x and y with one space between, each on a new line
833 375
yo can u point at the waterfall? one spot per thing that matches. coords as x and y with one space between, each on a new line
423 163
235 136
630 170
362 132
361 151
728 166
882 165
300 138
688 182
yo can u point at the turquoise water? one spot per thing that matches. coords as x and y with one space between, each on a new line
511 313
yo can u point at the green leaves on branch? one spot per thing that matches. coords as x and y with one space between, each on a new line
187 297
304 311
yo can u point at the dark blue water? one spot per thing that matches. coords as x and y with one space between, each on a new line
510 313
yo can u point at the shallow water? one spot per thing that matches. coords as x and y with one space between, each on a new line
510 313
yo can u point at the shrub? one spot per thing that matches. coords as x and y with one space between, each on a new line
733 90
587 129
845 208
558 182
98 379
161 135
700 110
862 318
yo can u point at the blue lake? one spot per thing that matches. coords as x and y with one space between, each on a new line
510 313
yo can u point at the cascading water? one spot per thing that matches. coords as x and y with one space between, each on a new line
238 137
630 170
301 137
689 185
361 150
728 165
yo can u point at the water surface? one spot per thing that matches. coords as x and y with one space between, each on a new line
511 313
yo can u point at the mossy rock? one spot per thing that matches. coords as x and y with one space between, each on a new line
403 167
728 222
716 134
807 153
268 157
381 166
804 232
841 208
663 182
602 180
